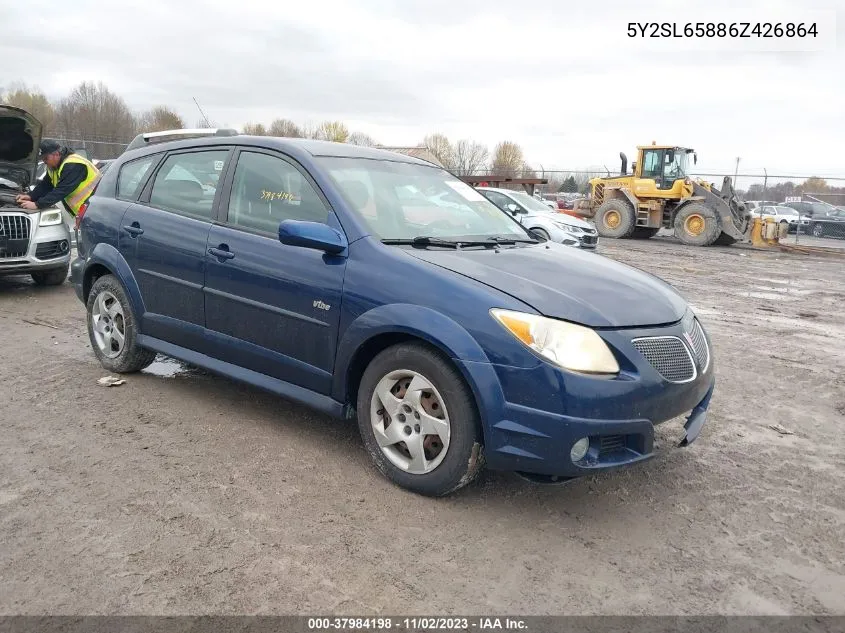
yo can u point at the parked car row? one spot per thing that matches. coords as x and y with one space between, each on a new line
811 217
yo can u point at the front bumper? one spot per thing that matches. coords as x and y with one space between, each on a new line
37 248
533 417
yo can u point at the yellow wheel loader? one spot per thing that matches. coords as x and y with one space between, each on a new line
659 194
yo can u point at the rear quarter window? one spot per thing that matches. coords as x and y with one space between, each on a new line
133 175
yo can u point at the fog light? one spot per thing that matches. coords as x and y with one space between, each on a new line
579 449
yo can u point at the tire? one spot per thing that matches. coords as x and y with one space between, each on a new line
697 224
110 312
615 218
642 233
53 277
542 233
818 230
460 457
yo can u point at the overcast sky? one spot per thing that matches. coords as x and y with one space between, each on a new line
563 81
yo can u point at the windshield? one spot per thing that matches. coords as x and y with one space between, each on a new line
402 201
531 204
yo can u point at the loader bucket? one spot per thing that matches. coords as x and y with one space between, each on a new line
733 215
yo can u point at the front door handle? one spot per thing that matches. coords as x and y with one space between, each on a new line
221 253
133 229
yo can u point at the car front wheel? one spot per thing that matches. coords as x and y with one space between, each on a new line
418 420
113 330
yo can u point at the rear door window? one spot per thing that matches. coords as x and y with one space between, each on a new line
187 183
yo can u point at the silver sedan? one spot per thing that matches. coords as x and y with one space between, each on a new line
537 217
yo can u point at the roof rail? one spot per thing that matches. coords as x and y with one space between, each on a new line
147 138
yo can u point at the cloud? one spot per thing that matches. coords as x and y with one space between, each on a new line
561 79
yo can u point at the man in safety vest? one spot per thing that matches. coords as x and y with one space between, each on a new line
69 178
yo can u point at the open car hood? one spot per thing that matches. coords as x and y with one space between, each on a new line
20 136
566 283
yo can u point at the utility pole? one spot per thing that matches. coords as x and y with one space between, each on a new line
736 171
205 118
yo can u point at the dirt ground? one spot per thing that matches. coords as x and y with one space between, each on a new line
191 494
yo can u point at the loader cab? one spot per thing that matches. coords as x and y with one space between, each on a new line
664 165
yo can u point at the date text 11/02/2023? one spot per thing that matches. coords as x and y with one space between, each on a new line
722 29
417 624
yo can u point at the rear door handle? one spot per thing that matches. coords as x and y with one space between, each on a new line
222 253
133 229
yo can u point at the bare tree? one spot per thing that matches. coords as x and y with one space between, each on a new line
284 127
508 160
359 138
34 102
95 118
332 131
441 147
469 157
254 129
159 119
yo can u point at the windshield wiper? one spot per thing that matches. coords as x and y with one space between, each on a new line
427 240
499 239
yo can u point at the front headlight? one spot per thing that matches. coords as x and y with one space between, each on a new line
51 217
569 229
566 345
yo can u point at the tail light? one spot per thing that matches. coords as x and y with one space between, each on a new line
79 215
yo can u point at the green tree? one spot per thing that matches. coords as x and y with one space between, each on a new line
569 185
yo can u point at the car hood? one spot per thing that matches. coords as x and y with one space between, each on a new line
566 283
20 136
562 218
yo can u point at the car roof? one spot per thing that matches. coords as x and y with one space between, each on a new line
296 145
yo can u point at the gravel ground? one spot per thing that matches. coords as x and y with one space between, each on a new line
192 494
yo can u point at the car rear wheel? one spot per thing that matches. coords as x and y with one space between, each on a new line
419 422
113 330
54 277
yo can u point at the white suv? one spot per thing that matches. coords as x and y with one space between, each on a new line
31 242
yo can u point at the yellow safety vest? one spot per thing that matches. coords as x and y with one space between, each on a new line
80 195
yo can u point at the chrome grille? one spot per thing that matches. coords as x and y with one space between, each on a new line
668 355
15 227
699 345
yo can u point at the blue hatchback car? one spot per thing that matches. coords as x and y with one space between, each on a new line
373 285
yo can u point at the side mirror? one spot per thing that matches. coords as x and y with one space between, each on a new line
315 235
513 208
